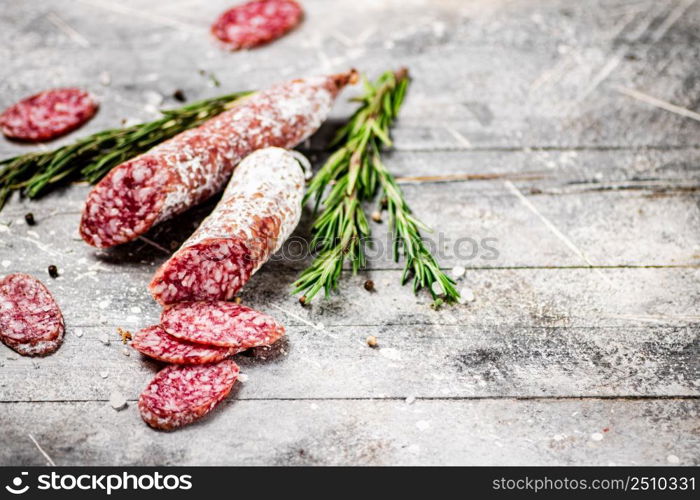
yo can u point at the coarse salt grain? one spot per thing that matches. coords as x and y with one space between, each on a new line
117 400
466 295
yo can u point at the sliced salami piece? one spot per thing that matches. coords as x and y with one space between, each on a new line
30 320
194 165
223 324
258 211
155 343
41 348
181 394
48 115
256 23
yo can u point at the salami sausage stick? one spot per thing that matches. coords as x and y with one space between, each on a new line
258 211
194 165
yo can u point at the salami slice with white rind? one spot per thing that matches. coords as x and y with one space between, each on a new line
155 343
181 394
41 348
30 320
256 23
224 324
258 211
48 115
196 164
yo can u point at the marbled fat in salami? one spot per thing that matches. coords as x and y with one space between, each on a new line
194 165
223 324
181 394
30 320
48 115
256 23
155 343
258 211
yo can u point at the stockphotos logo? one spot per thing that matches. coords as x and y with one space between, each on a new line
107 483
16 488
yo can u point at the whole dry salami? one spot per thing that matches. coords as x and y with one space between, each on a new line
223 324
194 165
48 114
30 320
258 211
155 343
181 394
256 23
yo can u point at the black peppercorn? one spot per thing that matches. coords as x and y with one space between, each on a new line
53 271
179 95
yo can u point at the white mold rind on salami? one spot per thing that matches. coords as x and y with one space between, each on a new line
194 165
223 324
258 211
30 320
180 394
155 343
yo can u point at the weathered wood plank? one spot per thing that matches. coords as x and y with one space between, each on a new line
468 90
420 361
495 223
528 95
379 432
502 298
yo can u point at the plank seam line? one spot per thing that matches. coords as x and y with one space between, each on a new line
688 397
475 268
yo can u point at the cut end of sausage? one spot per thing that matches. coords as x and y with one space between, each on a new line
125 204
214 269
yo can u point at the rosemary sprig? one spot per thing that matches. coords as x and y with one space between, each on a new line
91 158
354 173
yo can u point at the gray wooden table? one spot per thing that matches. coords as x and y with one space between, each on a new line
567 133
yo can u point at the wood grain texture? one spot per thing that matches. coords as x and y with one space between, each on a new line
573 207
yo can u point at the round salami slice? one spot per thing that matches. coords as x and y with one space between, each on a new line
155 343
181 394
48 115
224 324
30 320
256 23
41 348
